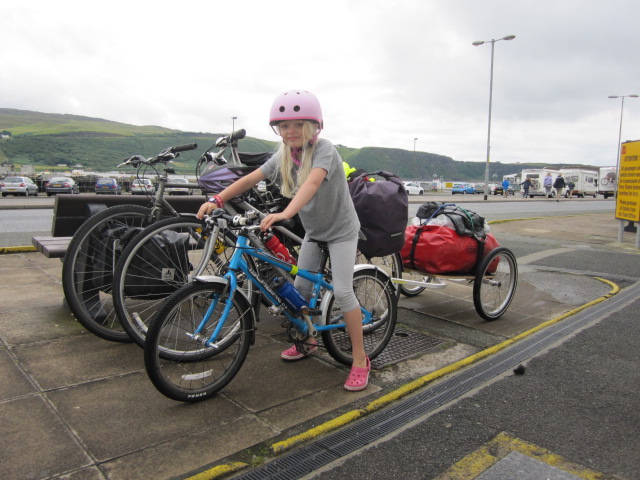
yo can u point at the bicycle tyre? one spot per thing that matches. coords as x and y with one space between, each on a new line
85 280
141 282
180 366
376 294
391 264
495 283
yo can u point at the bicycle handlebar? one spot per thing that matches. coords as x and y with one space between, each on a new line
184 148
238 135
250 218
167 154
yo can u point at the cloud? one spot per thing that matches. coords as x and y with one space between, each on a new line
386 72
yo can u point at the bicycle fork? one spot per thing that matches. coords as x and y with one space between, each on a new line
211 340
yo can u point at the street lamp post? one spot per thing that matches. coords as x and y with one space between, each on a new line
620 133
621 229
233 124
486 170
414 149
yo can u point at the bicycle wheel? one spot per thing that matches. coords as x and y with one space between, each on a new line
495 283
181 366
87 270
390 264
160 260
376 295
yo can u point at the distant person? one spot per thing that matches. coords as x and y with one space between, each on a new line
548 184
571 187
505 187
526 185
559 185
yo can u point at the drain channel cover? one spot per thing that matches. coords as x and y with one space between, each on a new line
405 344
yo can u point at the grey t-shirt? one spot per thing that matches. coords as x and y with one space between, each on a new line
330 215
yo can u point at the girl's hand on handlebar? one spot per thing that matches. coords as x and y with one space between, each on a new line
268 221
205 209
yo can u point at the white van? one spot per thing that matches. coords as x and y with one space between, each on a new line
585 182
536 175
607 180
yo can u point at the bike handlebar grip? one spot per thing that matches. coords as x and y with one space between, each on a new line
184 148
238 134
288 223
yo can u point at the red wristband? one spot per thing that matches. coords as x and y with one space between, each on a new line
217 200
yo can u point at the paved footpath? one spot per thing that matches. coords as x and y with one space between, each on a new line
75 406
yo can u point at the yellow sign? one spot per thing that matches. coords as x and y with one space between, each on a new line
628 199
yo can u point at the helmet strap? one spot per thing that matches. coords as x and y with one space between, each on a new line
295 156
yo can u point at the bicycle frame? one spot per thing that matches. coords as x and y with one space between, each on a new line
238 263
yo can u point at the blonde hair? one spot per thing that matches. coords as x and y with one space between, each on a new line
290 184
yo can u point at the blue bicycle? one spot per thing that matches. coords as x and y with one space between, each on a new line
200 336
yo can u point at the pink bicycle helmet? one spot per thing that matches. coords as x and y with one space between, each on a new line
296 105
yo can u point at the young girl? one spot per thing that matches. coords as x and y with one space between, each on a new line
309 171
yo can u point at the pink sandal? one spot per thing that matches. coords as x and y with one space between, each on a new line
293 353
358 378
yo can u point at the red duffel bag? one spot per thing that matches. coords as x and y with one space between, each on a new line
440 250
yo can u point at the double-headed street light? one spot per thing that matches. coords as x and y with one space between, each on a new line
486 170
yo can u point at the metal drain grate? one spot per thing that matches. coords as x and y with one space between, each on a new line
404 344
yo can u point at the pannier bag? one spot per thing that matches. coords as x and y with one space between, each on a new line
383 211
105 248
439 249
158 269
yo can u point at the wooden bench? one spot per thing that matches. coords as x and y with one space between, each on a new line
51 247
71 211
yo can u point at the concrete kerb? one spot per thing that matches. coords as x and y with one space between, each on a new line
283 446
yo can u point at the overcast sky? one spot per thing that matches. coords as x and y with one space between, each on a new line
385 71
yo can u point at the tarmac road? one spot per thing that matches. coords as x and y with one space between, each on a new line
23 218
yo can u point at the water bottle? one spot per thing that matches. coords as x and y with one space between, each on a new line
276 247
289 294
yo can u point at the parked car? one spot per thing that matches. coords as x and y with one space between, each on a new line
497 190
479 187
61 185
142 186
463 188
413 188
18 186
179 190
492 188
108 186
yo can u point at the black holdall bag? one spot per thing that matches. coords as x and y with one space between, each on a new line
383 210
465 222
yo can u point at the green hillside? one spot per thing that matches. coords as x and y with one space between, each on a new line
46 140
25 122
